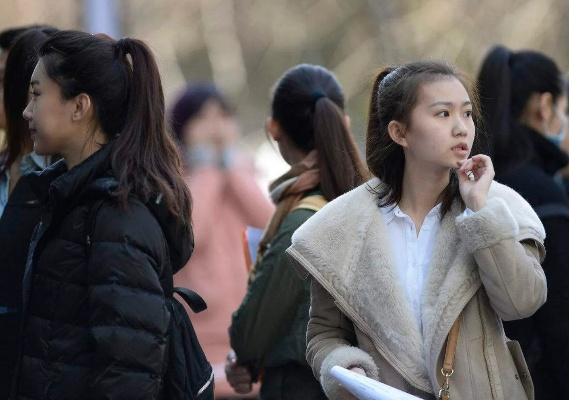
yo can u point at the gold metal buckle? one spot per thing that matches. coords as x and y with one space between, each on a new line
444 393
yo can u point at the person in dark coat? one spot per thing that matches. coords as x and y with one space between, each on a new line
95 319
19 208
524 97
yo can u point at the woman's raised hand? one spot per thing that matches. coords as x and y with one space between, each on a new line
475 176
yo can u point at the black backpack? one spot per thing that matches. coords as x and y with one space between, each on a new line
188 375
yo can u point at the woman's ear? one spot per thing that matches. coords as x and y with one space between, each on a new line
82 107
396 131
545 110
274 129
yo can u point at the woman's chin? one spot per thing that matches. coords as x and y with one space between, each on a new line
41 150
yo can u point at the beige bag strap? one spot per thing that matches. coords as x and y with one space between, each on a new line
313 203
448 362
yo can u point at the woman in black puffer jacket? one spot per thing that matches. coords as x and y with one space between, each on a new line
95 316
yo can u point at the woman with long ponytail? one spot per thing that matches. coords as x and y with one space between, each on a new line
95 319
269 329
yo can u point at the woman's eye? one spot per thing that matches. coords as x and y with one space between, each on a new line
34 94
443 114
468 114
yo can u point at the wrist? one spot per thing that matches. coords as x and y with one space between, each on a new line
476 204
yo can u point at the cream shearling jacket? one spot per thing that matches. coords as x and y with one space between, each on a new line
485 265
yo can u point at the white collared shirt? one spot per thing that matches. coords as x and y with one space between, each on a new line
412 253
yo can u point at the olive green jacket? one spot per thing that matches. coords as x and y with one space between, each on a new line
269 328
268 332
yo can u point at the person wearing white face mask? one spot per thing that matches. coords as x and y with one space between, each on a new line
557 138
524 98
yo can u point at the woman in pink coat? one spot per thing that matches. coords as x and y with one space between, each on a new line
225 198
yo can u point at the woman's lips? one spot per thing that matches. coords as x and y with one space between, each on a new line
461 150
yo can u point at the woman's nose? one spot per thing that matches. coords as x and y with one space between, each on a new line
460 128
27 113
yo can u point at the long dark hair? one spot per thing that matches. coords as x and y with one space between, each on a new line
9 36
123 82
506 82
395 93
308 103
20 64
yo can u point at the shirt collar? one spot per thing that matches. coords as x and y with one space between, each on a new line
389 212
32 160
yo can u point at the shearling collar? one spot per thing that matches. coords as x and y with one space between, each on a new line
345 247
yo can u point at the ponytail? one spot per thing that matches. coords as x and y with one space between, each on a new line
340 166
495 88
385 159
145 158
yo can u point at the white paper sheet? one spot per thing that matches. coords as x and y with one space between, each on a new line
365 388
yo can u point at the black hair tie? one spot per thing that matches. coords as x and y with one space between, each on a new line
316 95
123 44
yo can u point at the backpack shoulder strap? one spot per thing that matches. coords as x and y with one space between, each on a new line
313 203
194 300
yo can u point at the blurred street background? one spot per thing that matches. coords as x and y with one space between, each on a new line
243 46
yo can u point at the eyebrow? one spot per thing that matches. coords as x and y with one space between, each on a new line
449 103
34 82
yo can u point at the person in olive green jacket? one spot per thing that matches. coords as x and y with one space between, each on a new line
268 332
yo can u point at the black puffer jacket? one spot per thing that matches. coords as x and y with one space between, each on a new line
95 327
21 215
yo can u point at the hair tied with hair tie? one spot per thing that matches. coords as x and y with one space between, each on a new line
316 95
122 50
122 44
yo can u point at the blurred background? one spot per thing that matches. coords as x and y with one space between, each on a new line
243 46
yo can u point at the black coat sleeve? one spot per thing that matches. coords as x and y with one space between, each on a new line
552 319
128 319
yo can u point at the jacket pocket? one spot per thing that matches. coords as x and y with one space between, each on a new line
522 369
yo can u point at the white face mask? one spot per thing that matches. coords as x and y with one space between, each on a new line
557 138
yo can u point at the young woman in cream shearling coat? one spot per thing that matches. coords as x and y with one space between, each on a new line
477 254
